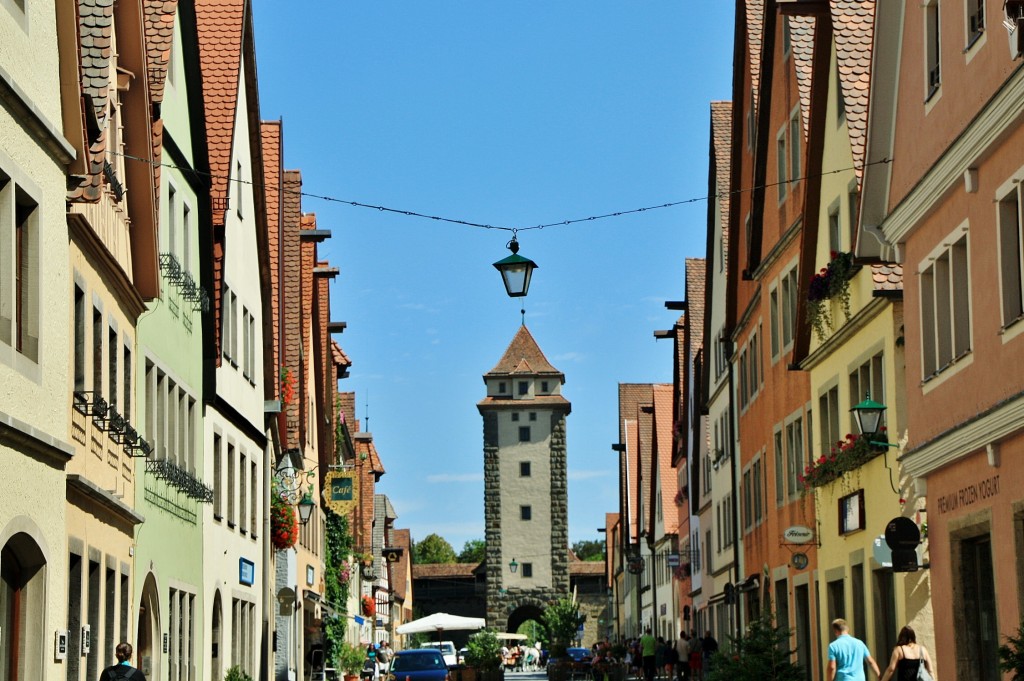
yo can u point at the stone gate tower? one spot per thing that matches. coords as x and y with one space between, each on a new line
525 498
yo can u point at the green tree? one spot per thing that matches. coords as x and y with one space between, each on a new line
561 620
432 549
474 551
763 653
589 549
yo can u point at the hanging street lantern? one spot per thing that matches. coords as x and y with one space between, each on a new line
869 417
306 507
515 270
513 566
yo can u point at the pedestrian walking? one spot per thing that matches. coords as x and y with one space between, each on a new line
709 646
683 657
123 669
847 655
696 656
907 658
648 647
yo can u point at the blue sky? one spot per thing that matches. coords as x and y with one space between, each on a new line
512 114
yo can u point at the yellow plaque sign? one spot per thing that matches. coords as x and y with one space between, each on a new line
341 494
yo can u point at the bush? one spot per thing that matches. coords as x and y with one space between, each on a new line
350 658
236 674
483 651
562 619
763 653
1011 655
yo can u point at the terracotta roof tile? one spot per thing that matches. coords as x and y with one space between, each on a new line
801 40
400 570
271 133
696 275
645 452
853 22
219 27
887 277
543 400
441 570
668 483
721 139
631 396
339 356
586 568
755 31
524 356
159 18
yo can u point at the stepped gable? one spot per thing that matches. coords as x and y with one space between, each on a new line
801 41
95 33
853 22
721 135
524 356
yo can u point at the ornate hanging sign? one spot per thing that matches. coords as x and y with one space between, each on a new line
341 494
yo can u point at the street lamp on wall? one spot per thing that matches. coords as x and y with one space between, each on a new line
516 271
306 507
869 418
513 566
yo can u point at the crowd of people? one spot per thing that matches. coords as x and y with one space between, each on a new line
687 658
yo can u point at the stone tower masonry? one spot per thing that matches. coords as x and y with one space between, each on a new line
525 497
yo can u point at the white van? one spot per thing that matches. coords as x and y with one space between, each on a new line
447 649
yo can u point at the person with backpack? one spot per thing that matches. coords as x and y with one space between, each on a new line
122 670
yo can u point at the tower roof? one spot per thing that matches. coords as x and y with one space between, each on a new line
524 356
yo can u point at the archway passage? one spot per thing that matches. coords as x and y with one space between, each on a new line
147 651
522 614
216 651
22 587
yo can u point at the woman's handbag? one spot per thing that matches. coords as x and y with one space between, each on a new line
922 673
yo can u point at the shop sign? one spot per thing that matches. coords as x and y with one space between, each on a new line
968 495
341 494
798 534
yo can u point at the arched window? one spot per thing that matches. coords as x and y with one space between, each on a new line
22 576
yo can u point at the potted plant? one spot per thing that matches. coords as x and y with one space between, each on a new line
561 619
284 528
236 674
831 281
483 657
367 605
350 659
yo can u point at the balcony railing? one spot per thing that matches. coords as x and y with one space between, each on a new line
180 479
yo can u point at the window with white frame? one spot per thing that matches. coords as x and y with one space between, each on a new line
945 306
795 136
773 320
794 454
780 469
1011 253
933 74
975 20
245 342
828 419
852 206
781 158
786 43
788 303
757 482
835 228
744 389
840 97
865 380
748 501
19 269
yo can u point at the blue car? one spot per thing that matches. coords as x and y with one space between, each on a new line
420 664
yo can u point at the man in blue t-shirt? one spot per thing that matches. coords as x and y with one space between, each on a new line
847 655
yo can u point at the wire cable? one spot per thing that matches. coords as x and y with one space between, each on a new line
481 225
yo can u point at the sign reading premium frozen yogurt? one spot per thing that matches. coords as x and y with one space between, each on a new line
968 495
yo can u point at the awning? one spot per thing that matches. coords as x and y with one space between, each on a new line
751 583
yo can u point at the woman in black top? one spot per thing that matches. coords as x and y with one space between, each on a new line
907 658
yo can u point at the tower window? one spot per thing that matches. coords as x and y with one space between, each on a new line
515 416
524 469
501 388
533 416
527 569
524 433
524 387
525 512
544 387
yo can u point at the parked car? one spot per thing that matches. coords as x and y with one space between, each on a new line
447 649
419 664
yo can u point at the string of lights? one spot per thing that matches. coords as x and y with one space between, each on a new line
481 225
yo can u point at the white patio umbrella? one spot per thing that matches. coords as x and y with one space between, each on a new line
440 621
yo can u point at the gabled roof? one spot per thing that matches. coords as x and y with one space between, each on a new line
524 356
220 25
340 358
665 482
801 40
271 133
721 143
853 28
755 30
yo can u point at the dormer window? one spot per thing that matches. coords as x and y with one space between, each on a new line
524 387
544 387
501 388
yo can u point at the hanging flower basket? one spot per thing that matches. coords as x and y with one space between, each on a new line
284 527
369 608
831 281
845 455
287 386
344 572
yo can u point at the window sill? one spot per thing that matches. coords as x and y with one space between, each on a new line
218 518
952 368
231 524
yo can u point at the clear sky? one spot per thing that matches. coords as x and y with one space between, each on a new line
513 114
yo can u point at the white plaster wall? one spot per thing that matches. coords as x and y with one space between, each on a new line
28 53
528 541
174 108
241 274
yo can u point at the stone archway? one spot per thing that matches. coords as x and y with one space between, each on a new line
531 610
147 642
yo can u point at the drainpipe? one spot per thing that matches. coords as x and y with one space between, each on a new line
729 350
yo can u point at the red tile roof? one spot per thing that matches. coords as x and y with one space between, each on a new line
721 139
340 358
755 30
272 137
442 570
801 40
667 480
159 40
524 356
853 22
887 277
